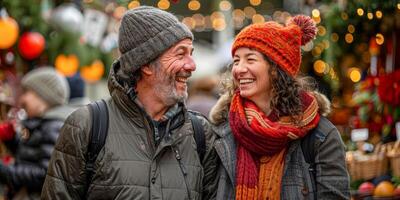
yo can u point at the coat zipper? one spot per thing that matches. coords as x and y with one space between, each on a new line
183 169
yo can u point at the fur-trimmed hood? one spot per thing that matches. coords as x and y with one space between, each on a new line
219 112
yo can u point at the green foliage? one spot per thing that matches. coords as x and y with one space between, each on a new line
354 185
28 14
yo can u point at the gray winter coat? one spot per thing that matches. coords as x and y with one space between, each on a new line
332 179
131 166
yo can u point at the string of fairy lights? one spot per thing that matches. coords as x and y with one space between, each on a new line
229 16
216 21
354 73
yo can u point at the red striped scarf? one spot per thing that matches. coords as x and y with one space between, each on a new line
262 145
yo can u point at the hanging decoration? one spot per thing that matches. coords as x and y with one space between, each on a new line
94 26
94 72
67 65
31 45
8 32
67 18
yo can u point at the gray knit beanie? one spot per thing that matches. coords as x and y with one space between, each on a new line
48 84
145 33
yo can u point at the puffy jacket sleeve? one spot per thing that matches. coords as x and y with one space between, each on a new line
37 150
332 176
210 163
65 177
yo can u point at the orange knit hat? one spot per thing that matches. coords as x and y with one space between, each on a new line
280 43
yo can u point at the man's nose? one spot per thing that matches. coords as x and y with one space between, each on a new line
190 65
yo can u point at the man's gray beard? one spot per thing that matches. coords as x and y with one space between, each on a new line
167 92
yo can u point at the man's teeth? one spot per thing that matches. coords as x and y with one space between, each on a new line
243 81
181 79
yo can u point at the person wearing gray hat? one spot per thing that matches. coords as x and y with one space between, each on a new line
154 148
44 93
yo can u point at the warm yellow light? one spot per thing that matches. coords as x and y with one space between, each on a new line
133 4
355 74
360 11
316 51
351 28
238 14
199 19
315 13
194 5
217 15
219 24
349 38
163 4
255 2
332 72
344 16
380 39
378 14
189 22
326 44
257 18
370 16
249 12
225 5
334 37
398 6
321 30
317 20
319 66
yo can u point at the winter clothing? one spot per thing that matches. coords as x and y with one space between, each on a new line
279 43
145 33
76 86
32 150
262 142
48 84
131 166
332 179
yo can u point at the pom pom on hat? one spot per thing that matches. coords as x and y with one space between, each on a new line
307 26
278 42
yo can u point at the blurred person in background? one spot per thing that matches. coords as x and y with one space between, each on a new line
202 95
44 94
266 115
77 96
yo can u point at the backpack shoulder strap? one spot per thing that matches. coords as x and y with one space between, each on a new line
98 135
308 148
310 143
199 136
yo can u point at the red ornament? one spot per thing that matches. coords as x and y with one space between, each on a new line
31 45
175 1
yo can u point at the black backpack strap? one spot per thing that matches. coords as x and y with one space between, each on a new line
308 148
311 142
98 135
199 136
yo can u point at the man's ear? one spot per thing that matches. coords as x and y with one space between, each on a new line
146 70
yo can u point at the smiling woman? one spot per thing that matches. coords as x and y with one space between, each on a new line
267 111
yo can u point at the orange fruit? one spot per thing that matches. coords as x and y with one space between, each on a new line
384 189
